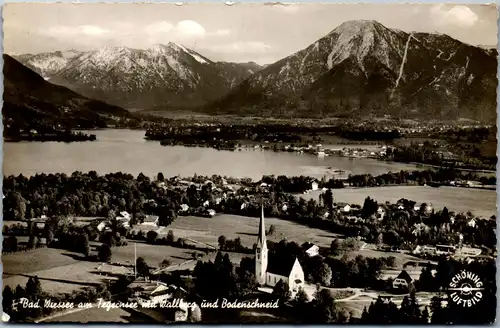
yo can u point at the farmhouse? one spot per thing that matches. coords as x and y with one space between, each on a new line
271 273
403 280
343 207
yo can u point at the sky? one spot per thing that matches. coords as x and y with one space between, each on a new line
239 32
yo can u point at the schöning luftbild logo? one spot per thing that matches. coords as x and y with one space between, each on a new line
466 287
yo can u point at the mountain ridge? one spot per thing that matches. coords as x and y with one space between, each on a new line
167 76
363 67
29 100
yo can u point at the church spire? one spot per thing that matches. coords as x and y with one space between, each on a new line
262 229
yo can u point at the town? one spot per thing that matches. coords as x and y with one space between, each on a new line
399 248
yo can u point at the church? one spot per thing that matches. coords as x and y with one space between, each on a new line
268 273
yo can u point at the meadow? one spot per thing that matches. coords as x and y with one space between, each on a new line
479 202
208 230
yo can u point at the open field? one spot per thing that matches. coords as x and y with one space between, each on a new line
36 260
479 202
369 250
208 230
59 271
153 254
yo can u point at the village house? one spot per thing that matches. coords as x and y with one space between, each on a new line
314 185
403 280
101 226
270 272
151 220
343 207
312 251
380 213
424 250
125 215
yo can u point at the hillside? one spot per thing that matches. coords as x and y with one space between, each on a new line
30 101
162 77
364 68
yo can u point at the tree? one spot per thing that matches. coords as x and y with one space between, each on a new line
301 296
194 314
438 313
426 280
151 236
425 315
33 288
87 251
342 317
142 267
365 316
335 247
325 306
170 237
222 242
370 207
272 230
85 244
324 274
166 217
20 292
7 299
328 200
165 263
160 177
104 253
282 290
10 244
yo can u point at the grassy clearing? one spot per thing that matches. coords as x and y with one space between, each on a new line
479 202
59 271
153 254
233 226
37 260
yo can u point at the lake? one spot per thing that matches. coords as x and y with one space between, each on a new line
128 152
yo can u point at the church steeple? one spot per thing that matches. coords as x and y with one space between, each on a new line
261 240
261 252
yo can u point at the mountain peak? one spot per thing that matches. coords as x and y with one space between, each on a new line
357 27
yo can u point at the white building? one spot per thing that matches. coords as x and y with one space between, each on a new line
344 207
269 272
125 215
314 185
312 251
380 213
151 220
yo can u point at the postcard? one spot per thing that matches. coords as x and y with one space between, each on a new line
239 163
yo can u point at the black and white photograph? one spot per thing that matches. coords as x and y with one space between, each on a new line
249 163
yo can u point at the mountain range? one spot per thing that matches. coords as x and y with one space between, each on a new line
363 68
165 76
29 101
359 68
